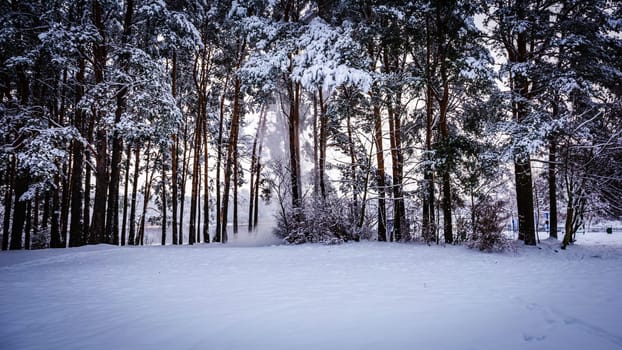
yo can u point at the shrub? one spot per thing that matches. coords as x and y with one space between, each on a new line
487 233
320 221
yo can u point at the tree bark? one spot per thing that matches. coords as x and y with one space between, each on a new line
552 179
174 150
19 213
128 155
229 166
164 213
131 239
75 231
97 232
8 203
206 237
56 240
380 175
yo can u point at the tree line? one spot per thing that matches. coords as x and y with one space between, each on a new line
414 118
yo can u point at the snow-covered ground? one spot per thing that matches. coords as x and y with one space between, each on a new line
352 296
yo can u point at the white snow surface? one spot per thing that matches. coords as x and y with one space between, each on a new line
367 295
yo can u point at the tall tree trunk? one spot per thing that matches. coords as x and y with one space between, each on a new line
19 213
366 187
229 166
8 203
131 239
27 229
380 174
55 237
316 148
294 147
86 224
427 221
235 189
174 193
522 162
192 229
258 173
221 120
182 185
163 189
35 217
323 143
174 150
112 215
65 202
206 237
147 195
75 231
524 200
97 232
552 179
446 183
128 155
353 175
253 172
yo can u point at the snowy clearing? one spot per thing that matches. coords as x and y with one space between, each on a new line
353 296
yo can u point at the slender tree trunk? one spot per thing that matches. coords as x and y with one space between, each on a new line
97 232
192 229
316 148
147 196
112 215
184 173
128 155
28 226
522 162
219 223
366 187
323 144
131 239
197 238
35 218
353 174
56 240
75 231
380 176
174 150
86 225
428 221
446 183
164 211
552 178
206 237
174 186
8 203
229 166
19 213
235 189
65 202
254 170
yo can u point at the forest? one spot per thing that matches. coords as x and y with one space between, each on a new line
424 120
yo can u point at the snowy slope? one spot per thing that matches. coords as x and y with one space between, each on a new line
352 296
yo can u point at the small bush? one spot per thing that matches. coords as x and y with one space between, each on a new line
319 221
487 234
